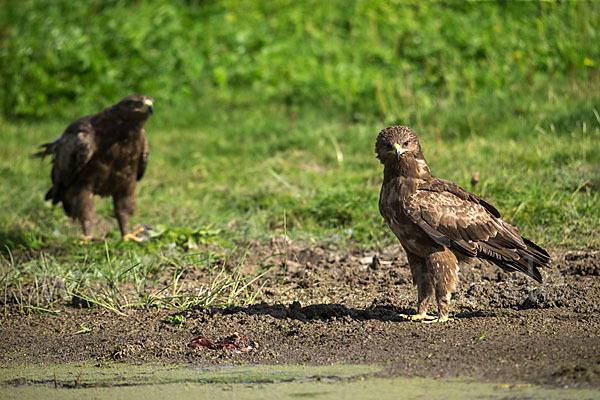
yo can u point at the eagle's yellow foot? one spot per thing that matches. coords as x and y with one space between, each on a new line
441 320
133 235
423 317
85 239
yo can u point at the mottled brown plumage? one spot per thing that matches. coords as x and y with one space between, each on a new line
103 154
439 223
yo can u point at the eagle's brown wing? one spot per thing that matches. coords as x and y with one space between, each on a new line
461 221
143 162
72 151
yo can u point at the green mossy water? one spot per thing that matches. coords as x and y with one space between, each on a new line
251 382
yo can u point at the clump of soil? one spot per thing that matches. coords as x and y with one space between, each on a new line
321 306
583 263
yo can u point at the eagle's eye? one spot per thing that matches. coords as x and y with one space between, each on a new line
405 144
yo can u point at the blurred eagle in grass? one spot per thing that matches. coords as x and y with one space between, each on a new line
102 154
439 224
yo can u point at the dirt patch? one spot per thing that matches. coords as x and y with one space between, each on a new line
345 307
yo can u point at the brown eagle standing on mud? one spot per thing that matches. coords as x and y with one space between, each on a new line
439 223
103 154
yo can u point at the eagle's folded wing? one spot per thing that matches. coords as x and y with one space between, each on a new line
72 152
143 161
467 226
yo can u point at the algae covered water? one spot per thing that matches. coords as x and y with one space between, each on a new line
121 381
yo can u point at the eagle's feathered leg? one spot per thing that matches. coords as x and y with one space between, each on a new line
124 207
423 280
81 207
444 266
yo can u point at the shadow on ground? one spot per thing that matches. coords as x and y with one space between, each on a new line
328 311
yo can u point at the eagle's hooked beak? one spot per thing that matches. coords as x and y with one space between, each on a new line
399 150
149 105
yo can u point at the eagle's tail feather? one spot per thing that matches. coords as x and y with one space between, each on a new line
520 265
537 252
528 261
50 195
48 148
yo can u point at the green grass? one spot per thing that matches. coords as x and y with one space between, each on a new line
360 58
268 128
224 184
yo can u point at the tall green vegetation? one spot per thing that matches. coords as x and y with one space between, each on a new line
392 60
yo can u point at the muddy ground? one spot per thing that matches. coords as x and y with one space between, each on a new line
345 307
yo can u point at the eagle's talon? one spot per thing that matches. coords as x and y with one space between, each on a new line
421 317
131 236
85 239
134 235
138 230
438 320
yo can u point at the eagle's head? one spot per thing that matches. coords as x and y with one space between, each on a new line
137 105
397 142
398 149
